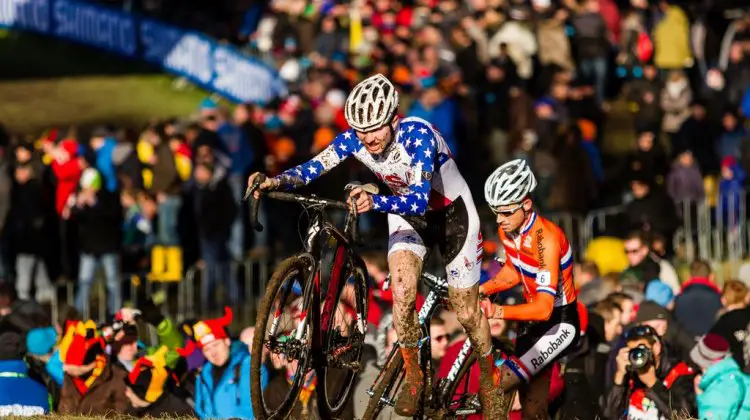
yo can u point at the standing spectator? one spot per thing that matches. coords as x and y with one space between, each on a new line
732 137
5 194
67 169
731 193
28 229
662 388
19 395
699 301
214 212
698 135
149 388
722 389
675 102
91 386
99 219
653 211
438 110
222 389
672 39
104 145
649 161
593 45
644 100
737 74
684 181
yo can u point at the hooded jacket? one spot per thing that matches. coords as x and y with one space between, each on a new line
697 305
105 396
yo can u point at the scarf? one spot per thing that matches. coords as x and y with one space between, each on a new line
83 384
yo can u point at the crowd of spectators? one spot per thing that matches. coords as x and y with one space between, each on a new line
540 80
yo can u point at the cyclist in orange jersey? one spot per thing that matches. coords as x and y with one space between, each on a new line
539 257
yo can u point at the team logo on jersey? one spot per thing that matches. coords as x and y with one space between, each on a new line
427 175
468 264
527 242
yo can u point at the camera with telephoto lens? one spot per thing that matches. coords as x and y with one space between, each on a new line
640 357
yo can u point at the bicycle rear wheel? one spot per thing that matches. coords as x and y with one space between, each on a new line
284 331
386 386
343 321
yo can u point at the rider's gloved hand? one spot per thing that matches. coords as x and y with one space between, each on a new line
490 309
268 184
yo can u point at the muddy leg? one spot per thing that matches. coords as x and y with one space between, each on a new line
534 398
405 268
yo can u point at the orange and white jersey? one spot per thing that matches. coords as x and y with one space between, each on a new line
541 259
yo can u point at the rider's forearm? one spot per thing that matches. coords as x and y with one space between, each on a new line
538 310
500 284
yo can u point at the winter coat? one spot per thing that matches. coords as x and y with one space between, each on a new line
672 393
590 36
19 394
100 225
105 396
655 210
230 397
105 164
27 221
68 173
697 305
215 207
554 45
730 143
676 107
672 40
167 405
685 183
726 392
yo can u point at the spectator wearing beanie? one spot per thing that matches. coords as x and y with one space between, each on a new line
723 390
19 394
223 383
91 386
44 363
661 320
149 388
658 292
699 301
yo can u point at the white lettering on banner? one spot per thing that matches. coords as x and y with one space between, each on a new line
177 50
26 14
240 78
102 28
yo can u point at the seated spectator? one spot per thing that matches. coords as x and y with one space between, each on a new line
662 387
646 264
733 327
91 386
439 340
44 363
734 296
222 389
699 300
722 389
660 293
19 394
590 286
149 388
626 306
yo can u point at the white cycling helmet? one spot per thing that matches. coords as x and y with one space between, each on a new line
372 104
509 184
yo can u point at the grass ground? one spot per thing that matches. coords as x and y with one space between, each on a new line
44 82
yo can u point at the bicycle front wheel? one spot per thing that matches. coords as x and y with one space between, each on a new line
283 332
344 319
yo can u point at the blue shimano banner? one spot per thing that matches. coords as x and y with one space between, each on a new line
190 54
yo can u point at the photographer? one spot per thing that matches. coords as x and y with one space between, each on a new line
648 384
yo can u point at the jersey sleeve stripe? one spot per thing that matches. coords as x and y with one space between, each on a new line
548 290
525 269
515 364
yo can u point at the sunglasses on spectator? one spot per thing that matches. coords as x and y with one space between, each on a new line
440 338
507 212
632 250
640 331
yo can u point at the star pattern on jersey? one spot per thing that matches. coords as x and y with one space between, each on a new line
418 141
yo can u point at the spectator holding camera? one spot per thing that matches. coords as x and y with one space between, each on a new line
649 383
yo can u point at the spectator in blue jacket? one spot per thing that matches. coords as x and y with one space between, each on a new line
438 110
19 394
103 145
723 390
731 192
223 385
699 302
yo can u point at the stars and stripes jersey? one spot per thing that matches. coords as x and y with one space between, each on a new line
417 166
541 259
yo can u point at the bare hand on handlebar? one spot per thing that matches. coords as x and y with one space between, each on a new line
363 200
265 185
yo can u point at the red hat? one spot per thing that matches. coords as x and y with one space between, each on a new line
728 161
212 329
709 350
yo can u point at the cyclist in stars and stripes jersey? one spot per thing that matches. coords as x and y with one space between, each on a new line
431 205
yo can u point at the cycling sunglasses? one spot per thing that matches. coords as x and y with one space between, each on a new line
506 213
640 331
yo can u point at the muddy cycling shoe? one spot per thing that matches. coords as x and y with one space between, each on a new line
410 398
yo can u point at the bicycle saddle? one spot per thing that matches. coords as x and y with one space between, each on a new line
368 188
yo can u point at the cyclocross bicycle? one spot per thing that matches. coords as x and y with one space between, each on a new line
314 311
449 397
